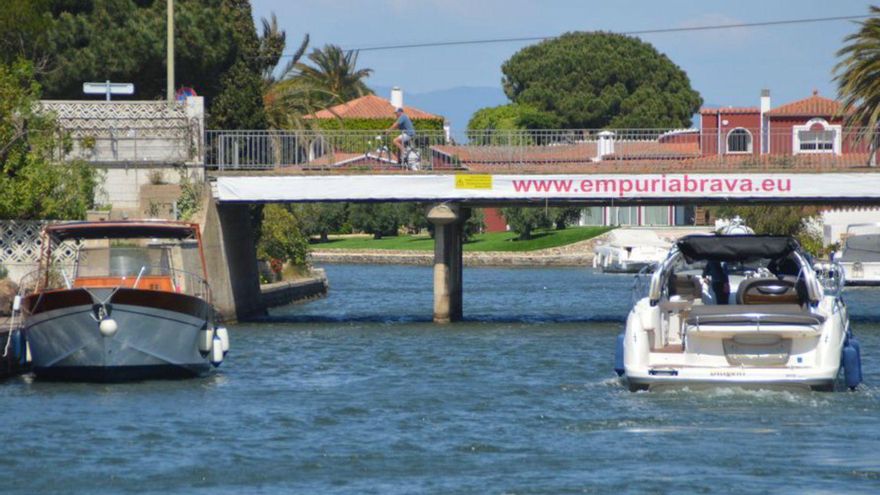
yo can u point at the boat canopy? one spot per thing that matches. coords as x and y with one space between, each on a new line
122 230
736 247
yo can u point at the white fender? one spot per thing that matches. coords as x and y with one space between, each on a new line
206 338
223 333
217 352
27 352
108 327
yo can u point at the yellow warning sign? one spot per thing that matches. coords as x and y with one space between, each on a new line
473 181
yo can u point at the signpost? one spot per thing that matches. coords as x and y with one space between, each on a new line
108 88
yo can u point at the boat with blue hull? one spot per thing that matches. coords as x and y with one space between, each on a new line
134 305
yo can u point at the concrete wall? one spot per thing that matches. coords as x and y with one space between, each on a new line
293 291
121 185
231 259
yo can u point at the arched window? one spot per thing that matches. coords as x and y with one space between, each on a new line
739 140
816 136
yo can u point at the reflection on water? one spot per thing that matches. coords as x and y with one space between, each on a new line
360 393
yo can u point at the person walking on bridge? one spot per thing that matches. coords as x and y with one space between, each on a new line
407 132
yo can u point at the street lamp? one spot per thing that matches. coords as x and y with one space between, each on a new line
170 51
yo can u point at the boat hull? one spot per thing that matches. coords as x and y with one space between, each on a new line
157 337
752 380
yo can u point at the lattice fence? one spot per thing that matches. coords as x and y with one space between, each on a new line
21 245
129 131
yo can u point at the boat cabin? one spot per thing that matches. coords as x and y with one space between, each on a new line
148 255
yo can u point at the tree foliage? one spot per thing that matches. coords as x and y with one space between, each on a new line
33 184
525 220
598 80
217 50
329 76
280 237
564 216
856 76
379 219
321 219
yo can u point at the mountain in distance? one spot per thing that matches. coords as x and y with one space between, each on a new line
455 104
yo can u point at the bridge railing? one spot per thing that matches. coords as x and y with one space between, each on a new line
819 145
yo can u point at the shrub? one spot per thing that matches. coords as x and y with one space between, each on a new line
281 238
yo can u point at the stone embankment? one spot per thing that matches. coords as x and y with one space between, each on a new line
576 254
295 291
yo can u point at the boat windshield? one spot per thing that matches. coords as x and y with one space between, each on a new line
169 265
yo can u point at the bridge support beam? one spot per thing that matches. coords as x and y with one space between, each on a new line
231 259
448 221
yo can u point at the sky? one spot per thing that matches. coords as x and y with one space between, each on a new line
727 67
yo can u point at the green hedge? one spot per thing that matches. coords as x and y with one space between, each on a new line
376 124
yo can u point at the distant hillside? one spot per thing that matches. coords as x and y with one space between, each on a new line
456 104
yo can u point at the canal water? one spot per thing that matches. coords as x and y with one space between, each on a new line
360 393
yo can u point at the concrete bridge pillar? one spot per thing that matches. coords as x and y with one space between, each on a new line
448 221
231 259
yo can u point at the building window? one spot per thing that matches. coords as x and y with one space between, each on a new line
816 136
739 140
816 141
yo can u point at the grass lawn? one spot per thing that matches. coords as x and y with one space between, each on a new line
495 241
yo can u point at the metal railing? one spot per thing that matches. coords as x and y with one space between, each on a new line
64 276
487 150
164 142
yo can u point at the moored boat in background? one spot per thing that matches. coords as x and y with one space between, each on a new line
860 254
630 251
134 305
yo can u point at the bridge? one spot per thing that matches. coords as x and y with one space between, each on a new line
452 174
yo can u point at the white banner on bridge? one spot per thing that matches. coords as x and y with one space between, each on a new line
593 187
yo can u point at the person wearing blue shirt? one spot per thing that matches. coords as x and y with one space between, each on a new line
407 132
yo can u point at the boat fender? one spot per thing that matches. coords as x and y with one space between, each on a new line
223 333
16 304
108 327
852 363
206 339
17 345
216 351
27 352
618 355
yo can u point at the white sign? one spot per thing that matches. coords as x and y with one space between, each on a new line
585 187
108 88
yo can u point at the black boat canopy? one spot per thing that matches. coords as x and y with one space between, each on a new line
138 229
736 247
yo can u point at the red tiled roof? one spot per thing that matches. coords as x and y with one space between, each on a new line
730 110
813 106
369 107
572 153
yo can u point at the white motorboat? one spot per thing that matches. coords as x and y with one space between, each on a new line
630 251
860 254
744 310
135 304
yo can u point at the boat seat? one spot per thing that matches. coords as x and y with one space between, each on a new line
768 290
685 285
764 314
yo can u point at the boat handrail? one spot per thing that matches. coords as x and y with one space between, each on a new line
642 282
831 276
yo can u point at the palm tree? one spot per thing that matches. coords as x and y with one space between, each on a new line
334 71
858 81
